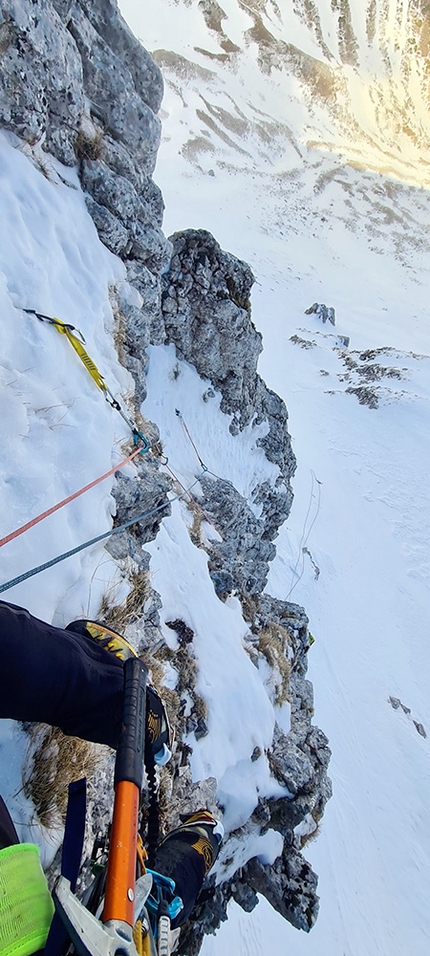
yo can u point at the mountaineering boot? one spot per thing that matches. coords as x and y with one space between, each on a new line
156 717
110 640
203 826
187 854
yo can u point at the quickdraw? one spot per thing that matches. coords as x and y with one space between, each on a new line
76 339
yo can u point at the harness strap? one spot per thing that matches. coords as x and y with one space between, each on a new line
70 858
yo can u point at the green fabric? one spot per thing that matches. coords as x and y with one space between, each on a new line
26 906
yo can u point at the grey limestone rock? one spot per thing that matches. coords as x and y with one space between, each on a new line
113 98
290 764
41 90
134 497
289 885
276 505
244 896
117 195
277 443
149 246
147 78
206 309
299 759
241 559
148 285
75 79
285 814
324 312
209 913
111 231
63 8
113 191
302 767
293 618
212 327
192 796
116 157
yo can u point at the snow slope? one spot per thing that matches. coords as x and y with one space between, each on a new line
57 431
315 228
59 434
241 714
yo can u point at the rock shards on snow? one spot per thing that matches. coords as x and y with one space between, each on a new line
289 885
324 312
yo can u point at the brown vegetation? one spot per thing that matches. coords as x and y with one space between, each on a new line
55 761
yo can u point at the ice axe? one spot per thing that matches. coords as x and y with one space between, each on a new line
113 934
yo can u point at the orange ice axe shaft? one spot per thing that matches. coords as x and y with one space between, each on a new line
121 870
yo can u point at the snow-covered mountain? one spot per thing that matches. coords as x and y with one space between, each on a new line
297 133
79 110
340 76
321 179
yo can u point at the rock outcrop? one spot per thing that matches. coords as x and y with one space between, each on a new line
207 313
75 82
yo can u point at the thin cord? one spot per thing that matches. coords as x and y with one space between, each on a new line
305 534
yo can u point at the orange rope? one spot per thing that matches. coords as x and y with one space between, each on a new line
50 511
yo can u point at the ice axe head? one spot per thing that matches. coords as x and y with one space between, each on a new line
91 937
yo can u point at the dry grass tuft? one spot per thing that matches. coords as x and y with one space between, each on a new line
195 530
119 616
89 145
273 644
186 666
55 761
170 697
250 605
120 325
43 168
306 838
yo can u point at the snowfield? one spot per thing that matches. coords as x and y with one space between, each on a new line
316 225
59 434
353 236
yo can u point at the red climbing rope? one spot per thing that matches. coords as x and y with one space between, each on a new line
50 511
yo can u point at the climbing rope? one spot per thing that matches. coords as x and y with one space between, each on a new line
87 544
65 501
204 467
185 427
194 500
75 337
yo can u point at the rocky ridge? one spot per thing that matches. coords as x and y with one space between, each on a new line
76 83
